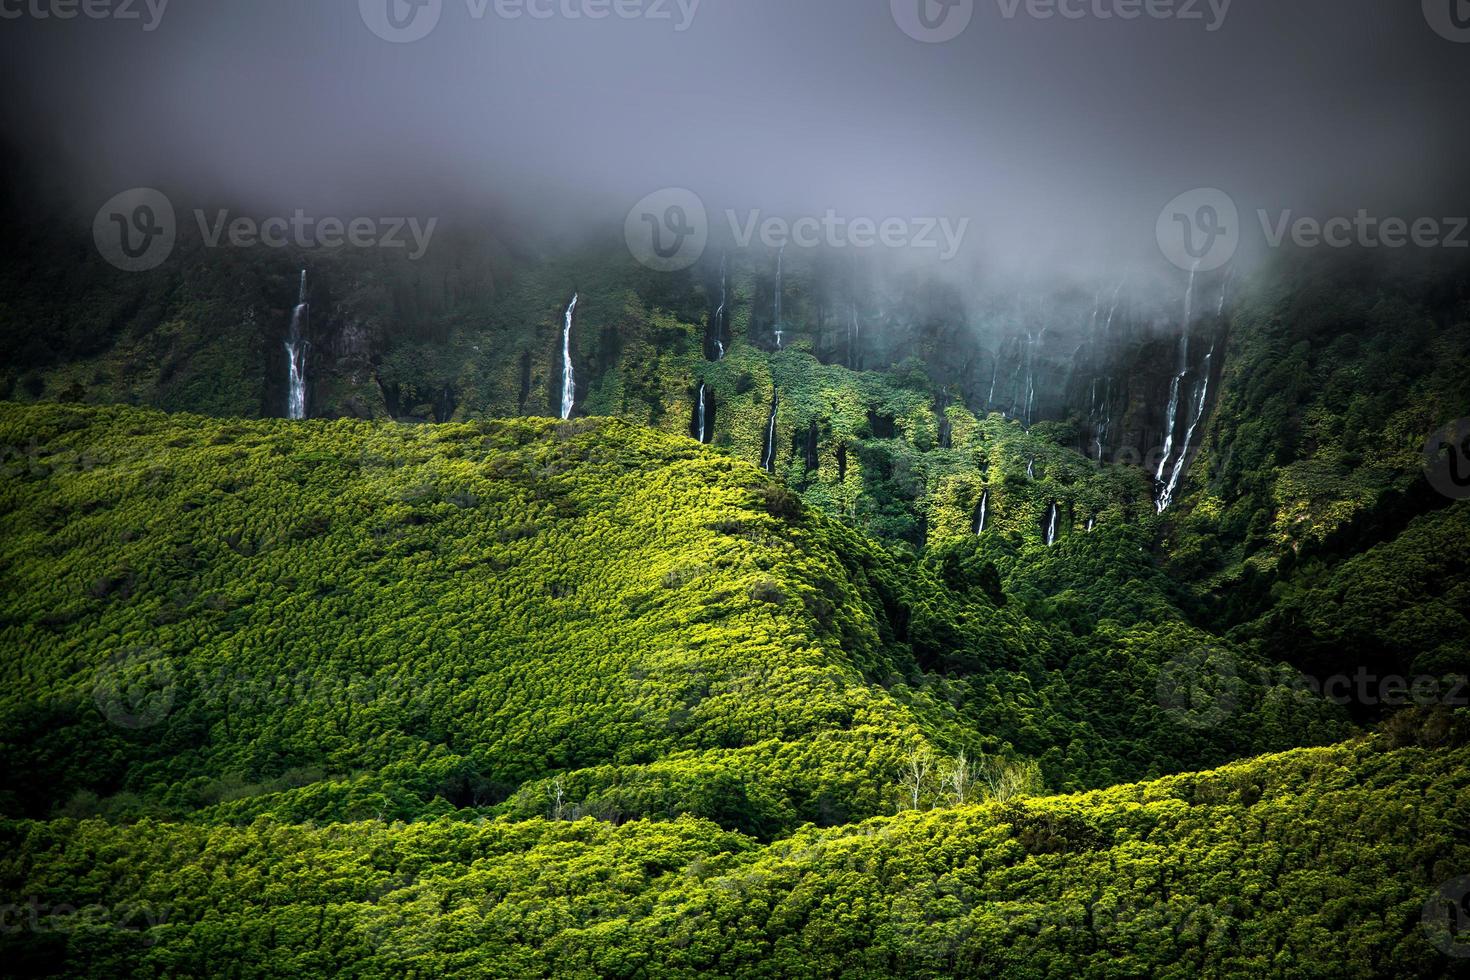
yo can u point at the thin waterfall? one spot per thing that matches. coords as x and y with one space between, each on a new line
296 345
1051 525
1113 310
720 313
780 261
1202 393
982 516
1171 416
1031 469
1091 523
768 454
568 381
701 422
1224 288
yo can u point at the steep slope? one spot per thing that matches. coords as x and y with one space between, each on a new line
339 620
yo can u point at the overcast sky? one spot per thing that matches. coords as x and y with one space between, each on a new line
1056 136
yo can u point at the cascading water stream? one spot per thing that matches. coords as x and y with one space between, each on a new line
980 519
702 423
768 454
296 345
720 313
780 261
1171 415
1197 414
1051 525
568 381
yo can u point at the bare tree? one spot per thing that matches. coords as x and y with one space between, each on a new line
558 798
1002 780
917 768
959 778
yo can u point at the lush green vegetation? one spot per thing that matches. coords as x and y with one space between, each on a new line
1315 863
513 697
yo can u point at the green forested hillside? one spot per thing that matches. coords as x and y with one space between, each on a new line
1323 862
334 620
516 696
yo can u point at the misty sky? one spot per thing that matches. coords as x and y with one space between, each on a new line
1056 137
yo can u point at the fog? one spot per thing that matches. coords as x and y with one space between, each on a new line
1058 139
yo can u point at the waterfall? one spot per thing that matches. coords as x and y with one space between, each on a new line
1197 414
1108 328
720 313
980 519
1051 525
1102 415
296 345
1091 523
780 260
1031 469
701 423
1224 288
768 454
1030 391
568 381
1171 416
